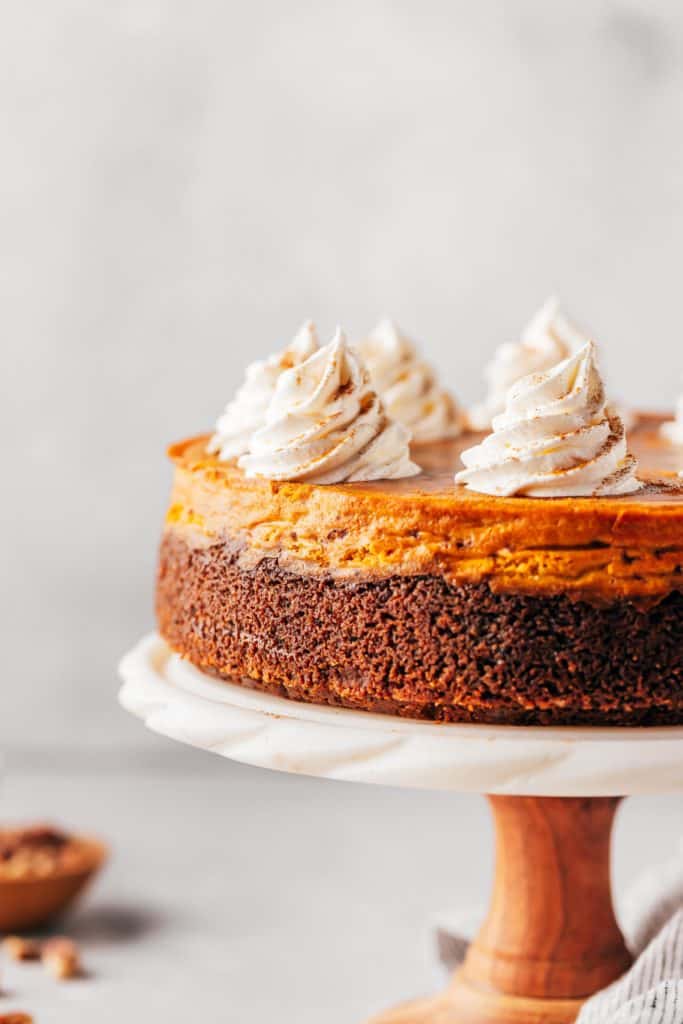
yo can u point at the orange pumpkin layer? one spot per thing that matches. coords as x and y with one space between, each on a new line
600 549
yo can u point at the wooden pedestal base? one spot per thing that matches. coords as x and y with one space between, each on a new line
476 1007
550 939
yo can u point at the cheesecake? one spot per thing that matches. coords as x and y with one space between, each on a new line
422 598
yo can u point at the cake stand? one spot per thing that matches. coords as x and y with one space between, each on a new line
550 939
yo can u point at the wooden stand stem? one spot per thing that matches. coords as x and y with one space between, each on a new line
550 938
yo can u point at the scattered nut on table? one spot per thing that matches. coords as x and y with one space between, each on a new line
17 947
60 956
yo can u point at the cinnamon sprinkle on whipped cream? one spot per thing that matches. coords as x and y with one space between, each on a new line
246 412
548 339
325 424
408 386
556 438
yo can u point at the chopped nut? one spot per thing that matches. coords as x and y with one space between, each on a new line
19 948
40 851
60 956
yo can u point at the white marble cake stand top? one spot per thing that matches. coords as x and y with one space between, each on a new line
177 700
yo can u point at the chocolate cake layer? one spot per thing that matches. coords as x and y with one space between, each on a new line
420 646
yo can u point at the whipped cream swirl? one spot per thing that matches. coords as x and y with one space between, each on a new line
408 386
547 340
325 424
672 430
556 438
246 413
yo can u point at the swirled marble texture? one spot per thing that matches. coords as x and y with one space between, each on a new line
177 700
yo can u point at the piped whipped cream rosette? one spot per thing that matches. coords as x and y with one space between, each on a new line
408 386
246 413
326 424
672 430
548 339
556 438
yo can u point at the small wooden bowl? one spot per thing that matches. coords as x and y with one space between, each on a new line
31 902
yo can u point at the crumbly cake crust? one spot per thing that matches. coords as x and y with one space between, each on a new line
420 645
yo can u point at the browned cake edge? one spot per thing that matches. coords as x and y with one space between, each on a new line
420 647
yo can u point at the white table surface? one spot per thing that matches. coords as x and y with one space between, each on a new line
238 894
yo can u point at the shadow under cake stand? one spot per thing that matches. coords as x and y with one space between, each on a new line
550 939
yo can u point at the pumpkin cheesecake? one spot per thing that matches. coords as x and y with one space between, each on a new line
322 573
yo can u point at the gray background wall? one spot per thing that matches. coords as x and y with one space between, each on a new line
184 182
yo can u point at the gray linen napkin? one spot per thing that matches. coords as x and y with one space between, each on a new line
652 920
